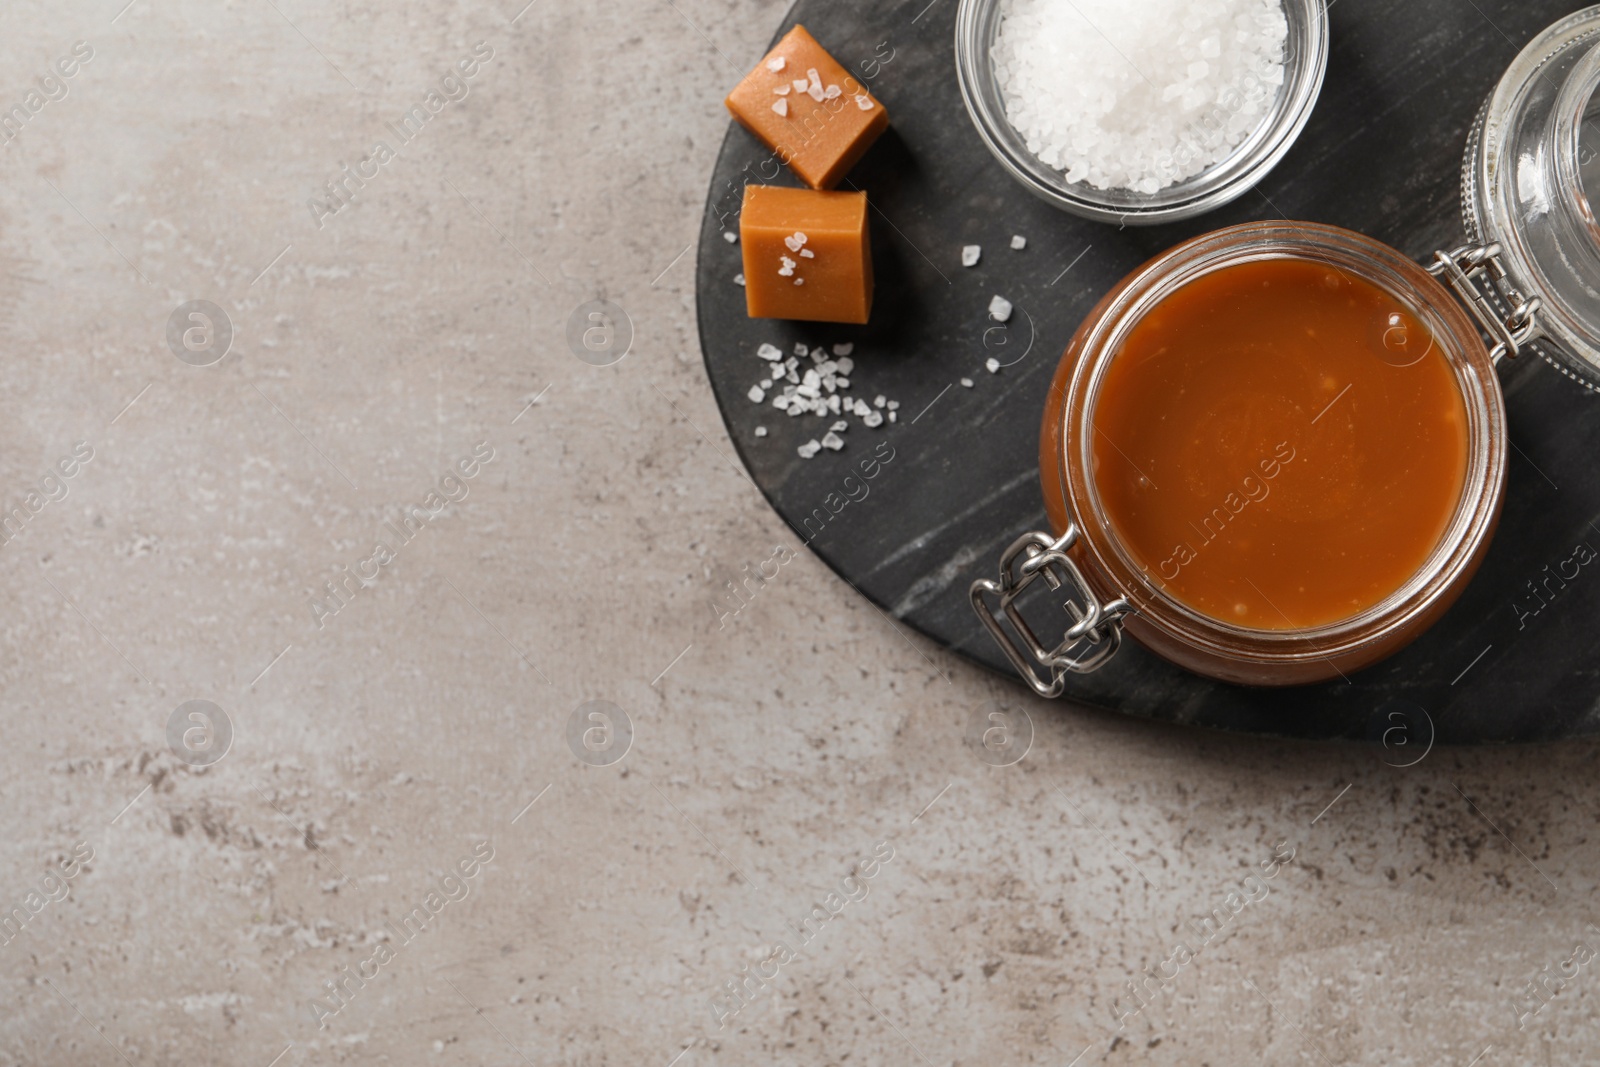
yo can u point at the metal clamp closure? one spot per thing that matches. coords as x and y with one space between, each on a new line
1463 269
1096 630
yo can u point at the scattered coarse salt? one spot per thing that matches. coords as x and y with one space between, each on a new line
761 431
781 107
846 364
970 254
967 383
765 383
795 242
893 415
832 92
814 86
992 365
810 448
769 352
844 383
799 281
801 85
864 102
776 64
729 236
1172 87
999 308
800 349
879 400
738 279
839 427
782 90
806 253
787 269
844 350
1019 242
872 419
756 395
833 441
893 405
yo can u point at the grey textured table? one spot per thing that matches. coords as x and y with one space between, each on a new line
769 754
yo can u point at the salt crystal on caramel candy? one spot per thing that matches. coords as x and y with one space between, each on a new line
805 107
807 254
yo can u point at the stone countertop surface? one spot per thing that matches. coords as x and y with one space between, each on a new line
310 589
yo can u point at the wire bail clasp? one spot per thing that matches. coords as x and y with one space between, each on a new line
1087 644
1463 269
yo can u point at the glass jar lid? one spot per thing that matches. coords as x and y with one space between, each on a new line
1532 165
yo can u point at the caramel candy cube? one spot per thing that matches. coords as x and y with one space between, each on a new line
808 109
807 254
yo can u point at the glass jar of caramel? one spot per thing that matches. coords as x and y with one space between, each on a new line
1273 455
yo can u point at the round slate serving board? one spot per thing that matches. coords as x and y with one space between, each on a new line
1381 155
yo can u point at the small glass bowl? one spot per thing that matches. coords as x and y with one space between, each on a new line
1305 61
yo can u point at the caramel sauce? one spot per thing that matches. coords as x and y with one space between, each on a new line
1279 444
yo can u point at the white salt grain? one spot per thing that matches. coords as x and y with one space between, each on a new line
864 102
970 254
769 352
761 431
843 350
781 107
966 383
833 441
1019 242
756 395
1137 94
738 279
1000 309
777 64
729 236
992 365
872 419
810 448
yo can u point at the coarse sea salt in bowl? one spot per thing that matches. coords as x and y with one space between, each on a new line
1140 111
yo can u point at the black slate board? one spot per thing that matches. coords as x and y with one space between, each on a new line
1381 155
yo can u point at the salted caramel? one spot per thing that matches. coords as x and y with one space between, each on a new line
807 254
808 109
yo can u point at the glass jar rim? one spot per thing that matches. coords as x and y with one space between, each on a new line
1097 343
